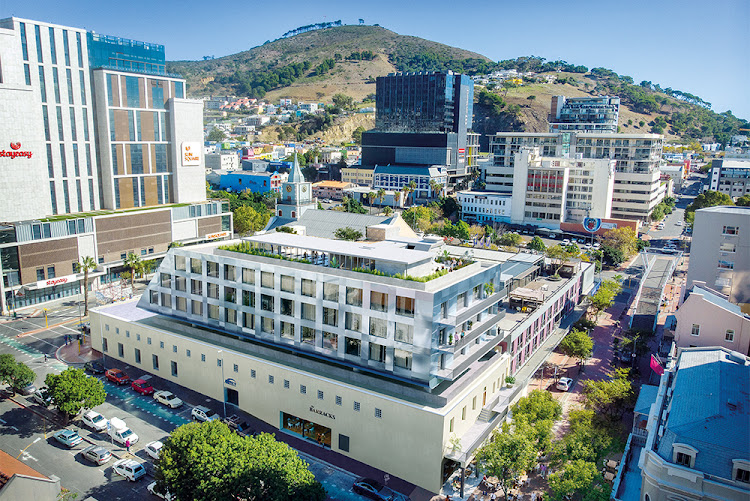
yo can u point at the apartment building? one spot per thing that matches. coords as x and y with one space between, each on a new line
584 114
731 176
638 187
395 177
360 343
334 190
720 252
484 207
358 175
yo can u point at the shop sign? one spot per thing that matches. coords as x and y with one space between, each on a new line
191 154
14 147
221 234
231 382
322 413
50 282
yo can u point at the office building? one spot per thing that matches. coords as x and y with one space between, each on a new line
360 343
395 177
720 252
698 439
357 174
584 114
484 207
638 187
730 176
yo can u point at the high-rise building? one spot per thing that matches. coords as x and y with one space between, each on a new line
584 114
638 186
731 176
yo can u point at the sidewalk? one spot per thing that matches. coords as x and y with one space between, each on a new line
71 354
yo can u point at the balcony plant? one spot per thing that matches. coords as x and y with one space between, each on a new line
510 381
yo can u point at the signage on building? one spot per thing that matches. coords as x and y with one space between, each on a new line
50 282
213 236
191 154
322 413
230 382
592 224
13 153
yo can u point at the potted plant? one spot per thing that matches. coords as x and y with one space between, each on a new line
450 339
489 289
510 381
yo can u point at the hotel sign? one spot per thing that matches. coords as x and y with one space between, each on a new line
50 282
191 154
214 236
322 413
13 153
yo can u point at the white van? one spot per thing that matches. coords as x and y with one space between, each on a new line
120 433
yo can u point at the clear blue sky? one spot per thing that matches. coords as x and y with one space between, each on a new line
696 46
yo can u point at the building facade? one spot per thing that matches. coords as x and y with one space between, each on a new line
584 114
395 177
331 189
720 252
256 182
484 207
731 176
358 175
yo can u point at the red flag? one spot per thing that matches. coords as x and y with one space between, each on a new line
656 366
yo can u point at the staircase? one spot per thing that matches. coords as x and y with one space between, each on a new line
485 415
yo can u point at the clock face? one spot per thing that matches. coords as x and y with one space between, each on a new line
289 189
304 189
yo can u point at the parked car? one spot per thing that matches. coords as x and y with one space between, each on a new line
94 420
168 398
375 490
201 413
96 454
152 489
142 386
596 245
68 438
679 223
566 242
117 376
26 391
153 449
42 397
120 433
564 384
94 367
130 469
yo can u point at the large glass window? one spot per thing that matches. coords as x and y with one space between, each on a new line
378 327
352 346
266 325
248 276
230 294
308 287
402 358
42 84
52 45
404 333
331 292
248 320
378 301
213 290
308 335
405 306
308 312
230 315
197 308
354 296
179 263
266 302
248 299
287 330
180 283
229 272
353 321
266 279
330 341
287 283
377 352
196 287
213 269
196 265
287 307
330 316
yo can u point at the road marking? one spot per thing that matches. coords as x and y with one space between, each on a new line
26 456
37 440
3 421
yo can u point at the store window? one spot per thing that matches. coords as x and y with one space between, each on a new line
307 429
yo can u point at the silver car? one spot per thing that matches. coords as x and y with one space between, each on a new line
96 454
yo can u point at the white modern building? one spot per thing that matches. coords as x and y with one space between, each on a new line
484 207
584 114
222 161
731 176
395 177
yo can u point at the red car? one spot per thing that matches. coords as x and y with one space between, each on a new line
142 386
117 376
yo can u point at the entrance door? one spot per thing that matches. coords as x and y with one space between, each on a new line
232 396
484 397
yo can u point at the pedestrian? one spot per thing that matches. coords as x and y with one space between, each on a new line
45 358
65 337
127 445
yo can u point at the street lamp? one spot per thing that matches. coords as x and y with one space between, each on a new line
223 396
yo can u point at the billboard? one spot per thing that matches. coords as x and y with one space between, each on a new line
191 154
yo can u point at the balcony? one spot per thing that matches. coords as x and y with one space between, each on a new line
477 330
476 307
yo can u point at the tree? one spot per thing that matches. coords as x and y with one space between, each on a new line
216 134
343 101
530 98
132 261
507 455
609 398
15 374
357 134
557 254
72 391
387 211
706 199
623 239
612 256
585 440
577 344
539 410
381 196
577 478
510 239
418 217
86 265
247 219
371 197
743 201
412 189
348 233
604 297
207 461
437 188
536 244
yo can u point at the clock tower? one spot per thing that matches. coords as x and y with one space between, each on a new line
296 195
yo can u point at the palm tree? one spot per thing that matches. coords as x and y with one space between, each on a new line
371 196
381 197
405 191
413 189
133 262
387 211
86 264
437 188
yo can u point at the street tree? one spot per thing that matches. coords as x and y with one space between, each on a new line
247 220
72 391
510 239
706 199
577 344
536 244
132 261
348 233
586 439
86 265
557 255
623 239
380 197
418 217
387 211
539 410
371 197
207 461
609 398
507 455
574 480
16 375
604 297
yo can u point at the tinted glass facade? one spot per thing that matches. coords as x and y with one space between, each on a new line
114 52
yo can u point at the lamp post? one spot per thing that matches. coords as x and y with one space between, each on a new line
223 396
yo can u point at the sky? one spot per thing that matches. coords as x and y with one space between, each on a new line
694 46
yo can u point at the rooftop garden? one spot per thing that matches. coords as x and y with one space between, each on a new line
246 248
78 215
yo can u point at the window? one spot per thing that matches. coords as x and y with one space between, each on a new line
266 302
161 344
377 352
105 346
308 335
137 356
179 263
331 292
286 384
378 327
230 294
727 247
230 316
303 389
287 330
477 292
120 350
742 475
203 357
197 308
270 379
402 358
287 306
450 426
357 407
320 395
352 346
683 459
725 265
218 362
213 312
378 413
196 266
174 368
463 414
344 443
213 269
50 272
405 306
378 301
248 320
187 353
731 230
148 340
474 403
444 309
252 373
404 333
180 284
287 283
330 316
330 341
248 299
229 272
174 348
308 287
155 361
338 400
248 276
196 287
266 279
266 325
40 274
354 296
729 335
308 312
353 321
236 368
696 330
461 300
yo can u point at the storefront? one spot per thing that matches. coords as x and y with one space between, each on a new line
27 296
306 429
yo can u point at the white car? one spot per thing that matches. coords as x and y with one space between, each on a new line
94 420
153 449
564 384
679 223
566 242
132 470
152 489
201 413
167 398
597 245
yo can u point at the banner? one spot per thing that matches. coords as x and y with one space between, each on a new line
656 366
